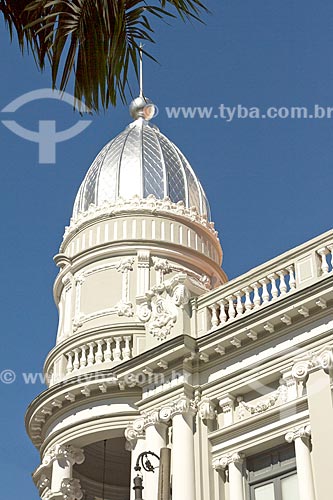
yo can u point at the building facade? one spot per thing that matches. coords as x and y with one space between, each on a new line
156 348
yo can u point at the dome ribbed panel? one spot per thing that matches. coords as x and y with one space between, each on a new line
153 165
130 166
90 182
175 175
108 179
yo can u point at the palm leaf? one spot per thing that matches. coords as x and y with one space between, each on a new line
97 41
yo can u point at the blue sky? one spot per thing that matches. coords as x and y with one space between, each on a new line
269 182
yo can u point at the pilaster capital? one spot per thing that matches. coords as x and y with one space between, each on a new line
184 405
181 406
71 489
66 454
131 436
312 361
206 409
231 458
303 432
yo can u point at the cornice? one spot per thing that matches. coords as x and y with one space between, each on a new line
268 320
139 206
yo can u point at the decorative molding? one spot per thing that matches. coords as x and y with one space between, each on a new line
132 434
312 361
43 483
227 404
125 309
206 409
65 454
264 404
166 267
136 205
71 489
303 432
143 259
125 264
158 312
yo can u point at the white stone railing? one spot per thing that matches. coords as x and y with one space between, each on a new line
99 354
266 284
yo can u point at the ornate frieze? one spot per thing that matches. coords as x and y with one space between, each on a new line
263 404
150 205
71 489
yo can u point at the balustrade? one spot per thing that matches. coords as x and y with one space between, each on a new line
112 349
251 298
273 285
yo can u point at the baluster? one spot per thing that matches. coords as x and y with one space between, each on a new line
256 296
265 294
117 349
91 357
69 367
240 305
231 308
274 290
283 285
83 358
107 352
223 314
99 352
324 264
76 363
127 348
292 280
248 303
330 247
215 318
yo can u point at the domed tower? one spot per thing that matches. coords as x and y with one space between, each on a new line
139 249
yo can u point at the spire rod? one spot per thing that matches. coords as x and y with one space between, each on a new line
141 71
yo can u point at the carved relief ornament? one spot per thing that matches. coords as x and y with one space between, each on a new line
312 361
159 311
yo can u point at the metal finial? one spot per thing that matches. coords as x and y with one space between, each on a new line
141 71
142 107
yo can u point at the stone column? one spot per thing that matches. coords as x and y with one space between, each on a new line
301 438
314 369
235 464
62 458
136 444
156 438
203 448
183 474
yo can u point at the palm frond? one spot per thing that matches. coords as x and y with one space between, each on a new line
97 41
